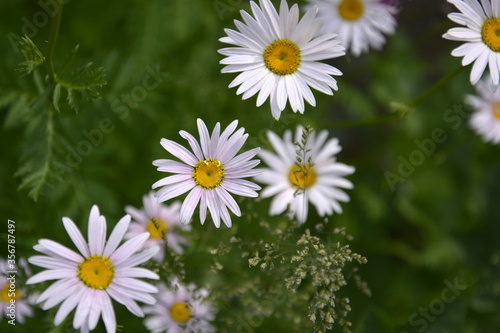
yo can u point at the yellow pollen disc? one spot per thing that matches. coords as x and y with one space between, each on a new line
351 10
300 177
156 229
490 33
495 108
208 173
282 57
8 294
96 272
180 312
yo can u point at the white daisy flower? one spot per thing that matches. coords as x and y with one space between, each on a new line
103 270
15 302
161 221
209 173
318 181
180 309
278 56
360 24
486 119
480 34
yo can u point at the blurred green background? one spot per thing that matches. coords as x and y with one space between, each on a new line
439 225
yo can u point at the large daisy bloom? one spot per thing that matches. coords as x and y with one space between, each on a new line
480 36
278 56
161 221
209 173
486 117
318 181
103 270
180 309
360 24
15 302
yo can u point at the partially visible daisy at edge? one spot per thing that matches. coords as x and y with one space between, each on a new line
101 271
210 173
480 36
12 292
360 24
180 309
485 120
321 178
278 56
161 221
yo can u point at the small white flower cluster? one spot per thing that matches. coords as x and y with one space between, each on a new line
481 24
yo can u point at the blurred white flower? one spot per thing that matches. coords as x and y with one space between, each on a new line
180 309
12 292
103 270
278 56
486 117
360 24
317 181
161 221
209 173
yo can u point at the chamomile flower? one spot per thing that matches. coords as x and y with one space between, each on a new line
278 56
318 179
480 35
360 24
15 302
180 309
161 221
210 173
486 118
103 270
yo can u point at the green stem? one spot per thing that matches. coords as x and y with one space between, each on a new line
54 32
435 87
398 109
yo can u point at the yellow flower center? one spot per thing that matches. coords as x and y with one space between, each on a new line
96 272
180 312
301 177
351 10
495 109
8 294
282 57
208 173
156 228
490 33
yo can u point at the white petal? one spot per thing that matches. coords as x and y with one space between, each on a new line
128 248
140 258
76 236
96 231
52 274
189 205
68 305
179 151
116 235
108 314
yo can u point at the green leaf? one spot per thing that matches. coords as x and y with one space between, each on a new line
85 79
32 56
71 99
38 159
